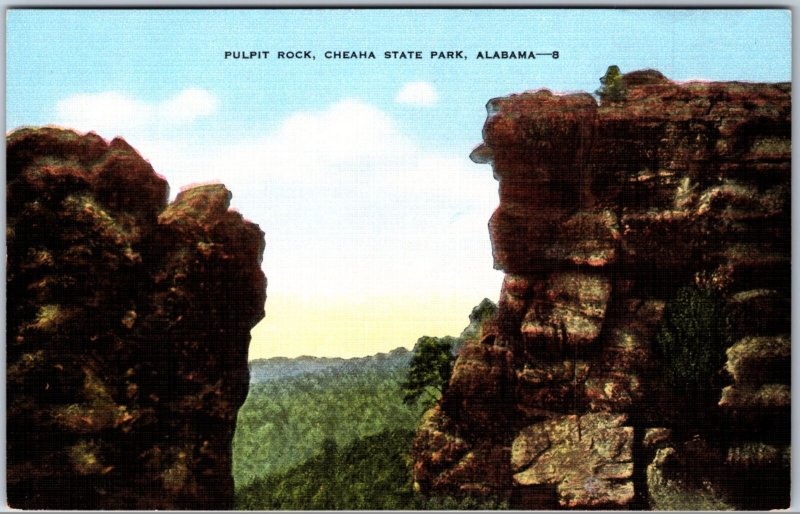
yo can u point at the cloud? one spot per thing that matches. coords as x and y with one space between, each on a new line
350 146
112 113
349 130
186 106
417 93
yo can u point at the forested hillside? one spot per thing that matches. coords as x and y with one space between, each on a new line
371 473
285 420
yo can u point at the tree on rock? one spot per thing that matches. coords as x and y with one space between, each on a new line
613 88
429 370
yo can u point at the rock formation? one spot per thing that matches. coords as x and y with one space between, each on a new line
606 212
128 329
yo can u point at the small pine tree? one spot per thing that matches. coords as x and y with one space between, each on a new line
613 88
429 370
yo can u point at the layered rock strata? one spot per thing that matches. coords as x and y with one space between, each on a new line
605 212
128 329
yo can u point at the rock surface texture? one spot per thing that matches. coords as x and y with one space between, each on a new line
128 329
605 212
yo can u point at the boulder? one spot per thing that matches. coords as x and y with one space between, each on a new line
589 458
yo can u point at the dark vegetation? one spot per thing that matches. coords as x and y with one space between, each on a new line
693 338
691 345
429 370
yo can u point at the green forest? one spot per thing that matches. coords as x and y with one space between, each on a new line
337 433
285 421
371 473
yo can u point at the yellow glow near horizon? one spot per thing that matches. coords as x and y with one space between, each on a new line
353 328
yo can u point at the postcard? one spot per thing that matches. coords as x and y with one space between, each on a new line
398 259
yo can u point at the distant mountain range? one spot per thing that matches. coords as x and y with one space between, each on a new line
265 370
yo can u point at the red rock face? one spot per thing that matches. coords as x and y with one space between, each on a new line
128 327
605 212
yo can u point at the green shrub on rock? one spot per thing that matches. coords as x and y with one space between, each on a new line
691 344
613 88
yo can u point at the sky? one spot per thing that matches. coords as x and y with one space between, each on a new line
357 170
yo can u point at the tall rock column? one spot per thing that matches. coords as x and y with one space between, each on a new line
128 329
606 212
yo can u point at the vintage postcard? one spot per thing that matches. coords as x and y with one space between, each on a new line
398 259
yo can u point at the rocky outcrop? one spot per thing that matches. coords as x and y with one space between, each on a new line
606 212
588 458
761 370
128 329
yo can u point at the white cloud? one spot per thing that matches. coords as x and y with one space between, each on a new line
350 146
349 130
417 93
112 113
101 112
186 106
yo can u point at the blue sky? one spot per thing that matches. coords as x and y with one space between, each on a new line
357 170
153 54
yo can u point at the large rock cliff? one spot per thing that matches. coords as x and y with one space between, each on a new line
607 212
128 329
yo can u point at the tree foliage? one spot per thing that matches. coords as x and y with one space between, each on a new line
613 87
285 421
429 370
370 473
692 343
